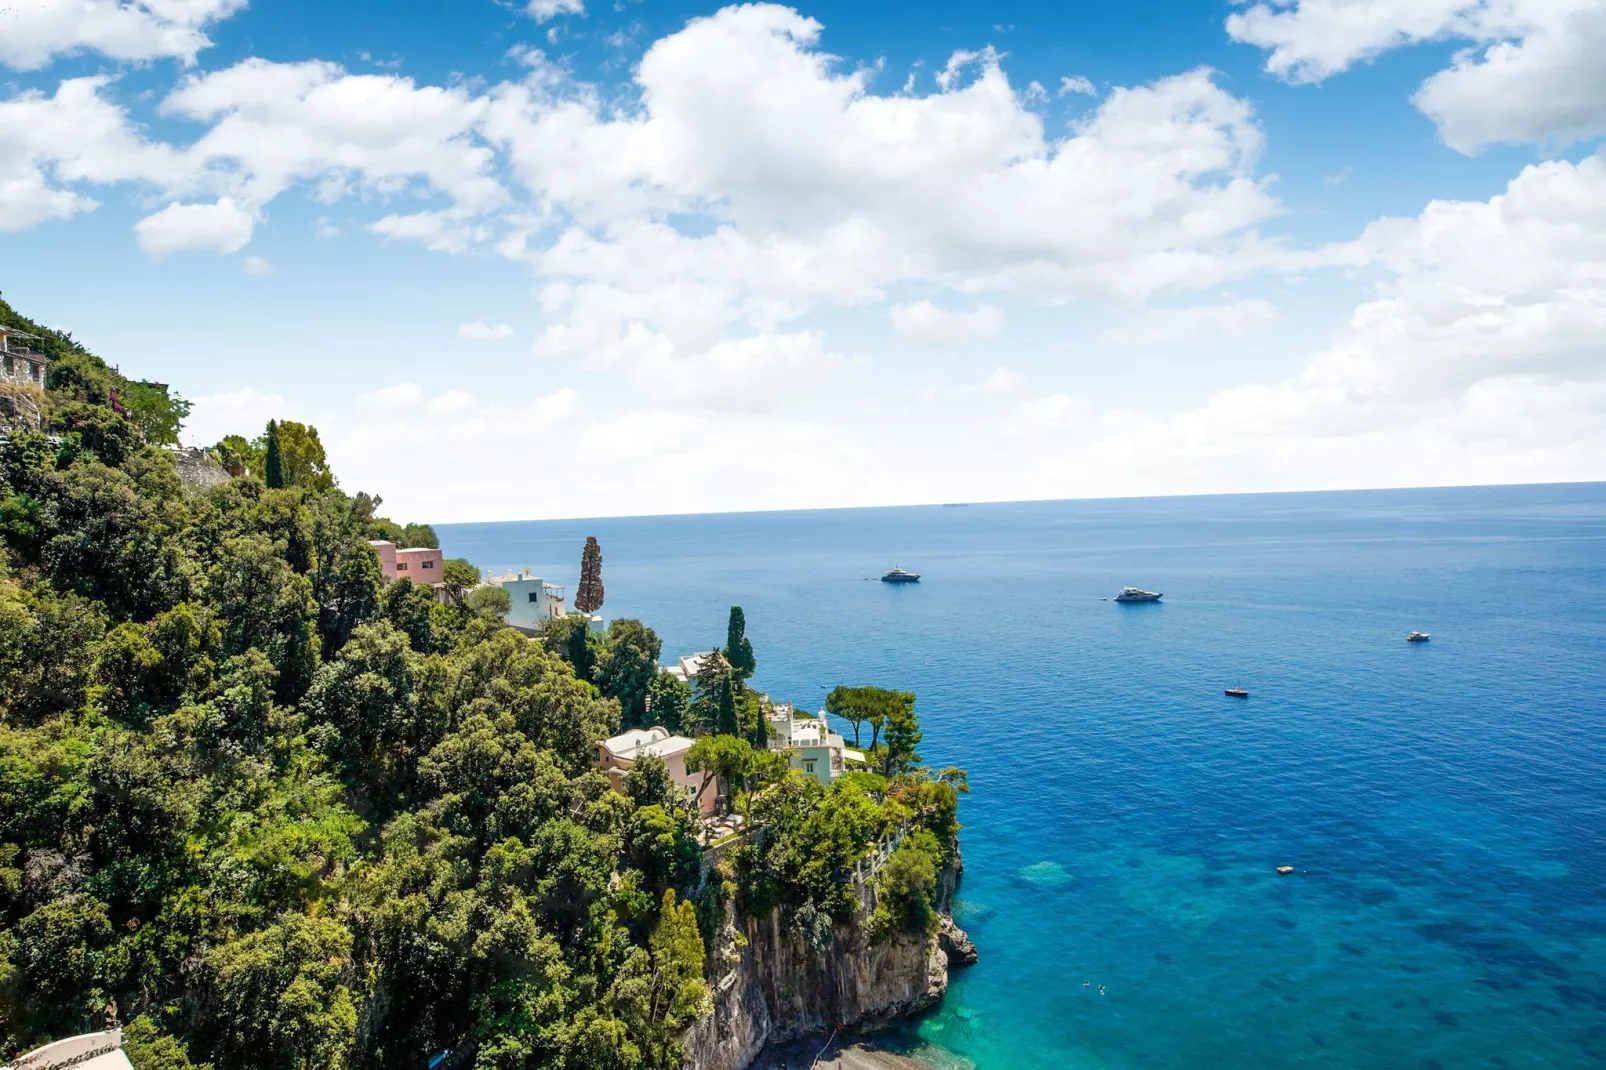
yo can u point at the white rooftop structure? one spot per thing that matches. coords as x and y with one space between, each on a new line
690 665
92 1051
655 742
531 600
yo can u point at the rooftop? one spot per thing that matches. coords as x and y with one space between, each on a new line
646 743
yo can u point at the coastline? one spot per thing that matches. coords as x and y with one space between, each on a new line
854 1051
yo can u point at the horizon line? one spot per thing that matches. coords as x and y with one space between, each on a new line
1027 501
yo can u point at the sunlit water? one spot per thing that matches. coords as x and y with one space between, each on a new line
1444 803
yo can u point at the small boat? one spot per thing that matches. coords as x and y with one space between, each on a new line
1418 637
1236 692
898 575
1134 594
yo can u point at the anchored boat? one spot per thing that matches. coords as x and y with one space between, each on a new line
1135 594
898 575
1418 637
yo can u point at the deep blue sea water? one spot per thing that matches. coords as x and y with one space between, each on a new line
1444 803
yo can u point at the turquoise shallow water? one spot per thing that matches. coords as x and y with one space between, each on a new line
1444 803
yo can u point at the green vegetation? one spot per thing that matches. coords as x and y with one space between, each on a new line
287 816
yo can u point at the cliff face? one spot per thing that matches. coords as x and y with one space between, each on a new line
776 988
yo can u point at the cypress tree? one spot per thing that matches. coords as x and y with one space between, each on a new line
273 468
738 651
588 596
727 723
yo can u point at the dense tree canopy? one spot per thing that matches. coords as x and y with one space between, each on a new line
287 816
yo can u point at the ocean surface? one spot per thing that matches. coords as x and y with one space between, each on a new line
1443 803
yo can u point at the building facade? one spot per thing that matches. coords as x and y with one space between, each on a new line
531 600
808 742
615 756
22 381
421 564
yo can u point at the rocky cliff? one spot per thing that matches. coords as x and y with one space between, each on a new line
774 987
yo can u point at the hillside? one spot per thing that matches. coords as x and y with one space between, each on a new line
281 814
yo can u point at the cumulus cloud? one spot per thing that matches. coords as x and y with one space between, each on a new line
484 332
257 267
274 124
925 323
1534 71
1161 326
223 226
391 398
38 31
1479 361
50 143
546 10
1075 83
236 412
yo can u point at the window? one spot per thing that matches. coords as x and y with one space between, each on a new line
9 366
808 765
535 596
429 564
401 566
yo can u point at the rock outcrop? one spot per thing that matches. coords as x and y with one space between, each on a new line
774 987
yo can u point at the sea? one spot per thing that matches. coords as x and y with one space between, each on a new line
1442 804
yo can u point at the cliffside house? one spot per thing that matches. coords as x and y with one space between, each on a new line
532 600
808 742
421 564
615 757
688 666
22 381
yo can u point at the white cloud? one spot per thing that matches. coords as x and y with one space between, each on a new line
1004 381
1075 83
546 10
925 323
1161 326
274 124
256 266
50 143
37 31
484 332
450 403
223 226
236 412
1480 361
1534 73
390 398
746 374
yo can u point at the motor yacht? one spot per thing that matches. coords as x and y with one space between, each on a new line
1135 594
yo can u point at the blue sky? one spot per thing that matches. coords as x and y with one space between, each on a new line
557 258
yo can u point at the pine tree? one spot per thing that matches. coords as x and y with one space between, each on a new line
738 651
588 596
273 468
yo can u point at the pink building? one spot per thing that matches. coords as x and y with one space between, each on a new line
615 757
421 564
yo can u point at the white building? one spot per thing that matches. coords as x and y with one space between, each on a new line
532 601
92 1051
689 665
808 742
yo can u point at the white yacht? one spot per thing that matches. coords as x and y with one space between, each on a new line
1134 594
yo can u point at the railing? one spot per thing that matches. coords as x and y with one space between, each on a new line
866 868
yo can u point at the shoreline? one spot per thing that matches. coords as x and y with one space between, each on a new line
894 1049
